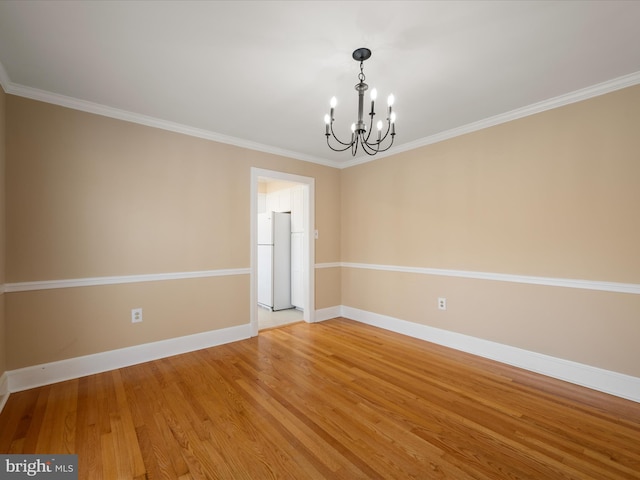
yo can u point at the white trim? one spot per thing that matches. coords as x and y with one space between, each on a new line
4 390
5 83
98 109
618 384
127 116
556 102
328 265
48 373
328 313
617 287
253 254
633 288
90 282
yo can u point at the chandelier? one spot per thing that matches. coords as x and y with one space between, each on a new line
360 134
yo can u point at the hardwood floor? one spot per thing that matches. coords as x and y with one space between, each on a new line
334 400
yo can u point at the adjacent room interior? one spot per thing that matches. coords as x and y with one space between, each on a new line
193 285
280 237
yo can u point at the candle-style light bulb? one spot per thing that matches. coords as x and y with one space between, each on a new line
379 125
373 95
333 103
390 100
327 121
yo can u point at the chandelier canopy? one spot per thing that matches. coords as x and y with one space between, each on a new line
360 133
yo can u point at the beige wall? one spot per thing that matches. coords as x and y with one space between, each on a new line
71 322
92 196
3 343
553 195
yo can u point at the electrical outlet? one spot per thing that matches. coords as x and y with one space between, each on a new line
136 315
442 303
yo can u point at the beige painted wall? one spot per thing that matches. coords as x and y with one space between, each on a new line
91 196
71 322
554 195
3 363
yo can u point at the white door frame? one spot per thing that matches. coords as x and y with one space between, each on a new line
308 249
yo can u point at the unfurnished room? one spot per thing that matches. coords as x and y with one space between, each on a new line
320 240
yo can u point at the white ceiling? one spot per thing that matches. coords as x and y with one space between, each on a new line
260 74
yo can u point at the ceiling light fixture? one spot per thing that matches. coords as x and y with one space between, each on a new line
359 132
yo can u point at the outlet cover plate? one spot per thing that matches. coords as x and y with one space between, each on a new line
136 315
442 303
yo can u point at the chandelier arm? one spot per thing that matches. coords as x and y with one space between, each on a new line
382 139
338 149
373 146
370 151
370 128
378 144
388 146
337 139
370 148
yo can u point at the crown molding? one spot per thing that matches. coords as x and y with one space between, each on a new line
99 109
119 114
555 102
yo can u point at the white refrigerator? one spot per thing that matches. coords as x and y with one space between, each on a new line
274 260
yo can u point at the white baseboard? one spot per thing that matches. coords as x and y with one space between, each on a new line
45 374
614 383
323 314
4 390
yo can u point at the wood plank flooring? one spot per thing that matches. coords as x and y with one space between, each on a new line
333 400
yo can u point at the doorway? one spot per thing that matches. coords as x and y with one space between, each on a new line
304 188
